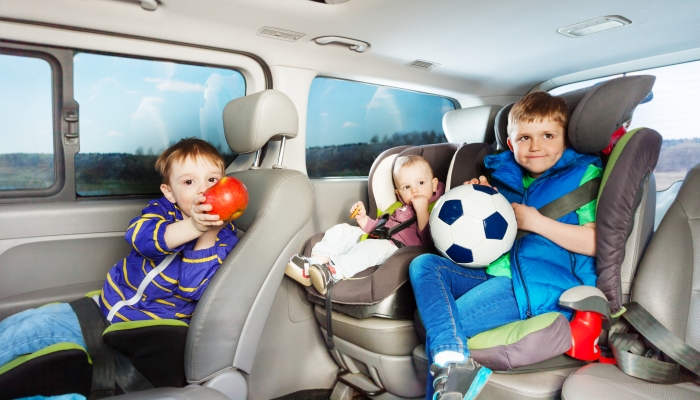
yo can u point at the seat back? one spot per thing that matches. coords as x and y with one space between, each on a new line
229 318
668 278
627 196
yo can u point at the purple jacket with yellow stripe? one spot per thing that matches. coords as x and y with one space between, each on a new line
173 294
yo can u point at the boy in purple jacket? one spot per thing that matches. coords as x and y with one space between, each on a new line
343 253
174 224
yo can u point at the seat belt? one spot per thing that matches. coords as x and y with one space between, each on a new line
92 325
567 203
631 357
382 232
139 292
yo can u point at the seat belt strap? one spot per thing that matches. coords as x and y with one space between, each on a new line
569 202
653 331
92 325
142 287
329 317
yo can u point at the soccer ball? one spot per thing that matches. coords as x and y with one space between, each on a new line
473 225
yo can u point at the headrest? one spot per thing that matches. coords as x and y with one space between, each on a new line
470 125
603 109
595 112
501 127
253 120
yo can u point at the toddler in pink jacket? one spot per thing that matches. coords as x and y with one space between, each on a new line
343 253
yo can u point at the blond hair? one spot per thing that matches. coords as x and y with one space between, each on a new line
408 161
537 107
186 148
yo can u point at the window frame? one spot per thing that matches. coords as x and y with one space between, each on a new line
56 59
61 60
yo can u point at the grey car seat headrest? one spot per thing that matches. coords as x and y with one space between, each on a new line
253 120
470 125
596 112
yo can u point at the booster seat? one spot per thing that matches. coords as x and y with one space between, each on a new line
220 343
624 221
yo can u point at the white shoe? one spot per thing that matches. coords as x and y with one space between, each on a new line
322 276
298 269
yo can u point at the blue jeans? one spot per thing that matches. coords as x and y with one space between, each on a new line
456 303
36 328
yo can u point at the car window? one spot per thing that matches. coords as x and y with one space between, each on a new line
26 117
673 112
132 109
350 123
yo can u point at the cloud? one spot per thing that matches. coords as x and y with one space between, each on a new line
169 85
350 125
114 133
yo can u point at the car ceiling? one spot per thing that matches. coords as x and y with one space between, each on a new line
485 48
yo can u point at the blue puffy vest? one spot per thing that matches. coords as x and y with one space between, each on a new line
542 270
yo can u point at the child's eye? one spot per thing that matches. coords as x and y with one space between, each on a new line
522 138
548 135
188 182
421 182
406 187
214 180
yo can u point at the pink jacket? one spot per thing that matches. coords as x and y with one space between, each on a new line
409 236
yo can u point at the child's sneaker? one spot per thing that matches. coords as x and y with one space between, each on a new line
459 381
298 269
322 276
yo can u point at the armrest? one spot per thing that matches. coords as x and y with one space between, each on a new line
587 298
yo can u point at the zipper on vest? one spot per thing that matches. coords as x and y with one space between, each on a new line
528 312
572 260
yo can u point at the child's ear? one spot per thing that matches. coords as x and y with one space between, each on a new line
435 184
167 193
510 144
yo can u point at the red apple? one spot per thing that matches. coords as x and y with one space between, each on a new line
228 198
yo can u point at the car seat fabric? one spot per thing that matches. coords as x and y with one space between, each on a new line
630 178
359 297
666 285
229 318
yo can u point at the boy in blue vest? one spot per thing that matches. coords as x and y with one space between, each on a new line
456 303
176 223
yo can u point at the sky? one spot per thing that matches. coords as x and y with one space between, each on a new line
674 111
350 112
126 104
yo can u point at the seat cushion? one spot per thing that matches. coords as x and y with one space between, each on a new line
598 381
379 335
522 343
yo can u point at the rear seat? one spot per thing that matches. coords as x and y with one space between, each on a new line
378 352
624 219
666 285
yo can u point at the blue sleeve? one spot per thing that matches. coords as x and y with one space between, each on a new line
146 233
199 266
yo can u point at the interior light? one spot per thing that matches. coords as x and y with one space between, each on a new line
594 26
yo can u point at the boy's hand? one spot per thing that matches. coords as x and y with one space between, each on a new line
479 181
528 217
200 219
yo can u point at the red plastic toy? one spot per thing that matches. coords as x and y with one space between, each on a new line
585 331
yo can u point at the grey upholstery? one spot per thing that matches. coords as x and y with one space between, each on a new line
379 335
604 381
230 317
253 120
186 393
470 125
667 285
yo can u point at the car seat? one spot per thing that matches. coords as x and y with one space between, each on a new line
219 345
666 285
530 351
374 349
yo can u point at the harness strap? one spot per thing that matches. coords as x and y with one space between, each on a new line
139 292
329 316
92 325
651 366
569 202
